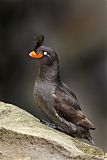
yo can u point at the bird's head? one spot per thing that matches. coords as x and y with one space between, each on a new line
44 54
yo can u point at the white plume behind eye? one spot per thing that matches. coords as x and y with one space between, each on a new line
45 53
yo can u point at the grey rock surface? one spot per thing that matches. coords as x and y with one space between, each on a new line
23 137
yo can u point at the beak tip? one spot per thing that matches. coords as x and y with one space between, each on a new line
30 54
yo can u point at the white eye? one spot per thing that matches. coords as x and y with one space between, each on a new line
45 53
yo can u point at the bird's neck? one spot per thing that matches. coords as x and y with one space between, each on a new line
49 73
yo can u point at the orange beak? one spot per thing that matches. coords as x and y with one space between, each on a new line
35 55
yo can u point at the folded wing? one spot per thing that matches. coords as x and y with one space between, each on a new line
67 107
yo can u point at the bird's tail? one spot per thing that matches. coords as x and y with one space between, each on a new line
91 140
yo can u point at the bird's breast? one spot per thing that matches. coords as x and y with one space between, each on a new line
43 96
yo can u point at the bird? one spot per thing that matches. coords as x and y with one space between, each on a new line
54 98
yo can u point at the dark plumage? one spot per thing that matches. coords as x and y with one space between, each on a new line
58 103
38 41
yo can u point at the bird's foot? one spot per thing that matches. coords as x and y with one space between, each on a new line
51 124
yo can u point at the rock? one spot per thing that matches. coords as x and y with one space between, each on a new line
23 137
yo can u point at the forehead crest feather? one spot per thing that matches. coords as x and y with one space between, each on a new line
39 41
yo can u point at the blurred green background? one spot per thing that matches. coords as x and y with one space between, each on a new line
76 29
